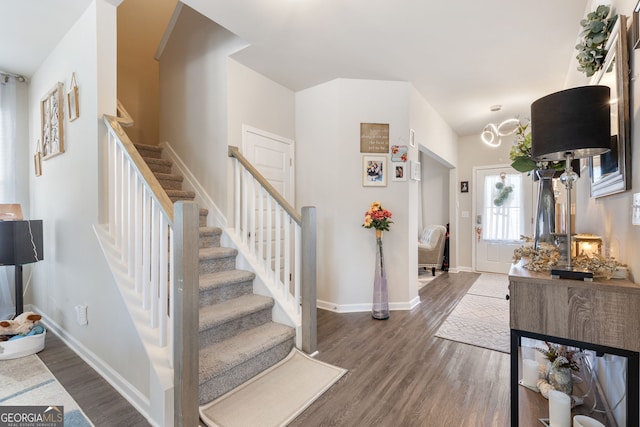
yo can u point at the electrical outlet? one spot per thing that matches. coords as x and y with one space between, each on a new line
81 314
635 213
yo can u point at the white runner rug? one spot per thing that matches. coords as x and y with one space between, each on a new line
26 381
481 318
276 396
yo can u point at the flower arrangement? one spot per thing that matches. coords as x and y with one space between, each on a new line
596 28
377 217
520 153
560 356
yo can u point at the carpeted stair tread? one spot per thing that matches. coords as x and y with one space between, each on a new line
215 253
163 162
176 195
148 147
224 356
224 278
210 231
149 151
218 314
169 176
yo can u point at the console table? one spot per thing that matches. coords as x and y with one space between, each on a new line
603 316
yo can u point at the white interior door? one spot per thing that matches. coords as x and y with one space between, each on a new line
503 212
272 155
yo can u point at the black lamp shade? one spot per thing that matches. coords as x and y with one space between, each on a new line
576 121
17 240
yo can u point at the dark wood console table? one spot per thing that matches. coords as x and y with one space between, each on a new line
603 316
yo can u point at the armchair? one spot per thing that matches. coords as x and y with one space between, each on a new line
431 247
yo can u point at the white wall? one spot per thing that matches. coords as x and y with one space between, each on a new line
65 197
259 102
193 99
610 216
329 176
435 136
435 191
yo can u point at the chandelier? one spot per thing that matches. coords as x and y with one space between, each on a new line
492 134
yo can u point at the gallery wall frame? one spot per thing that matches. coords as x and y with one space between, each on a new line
374 138
611 172
52 119
399 172
72 99
374 171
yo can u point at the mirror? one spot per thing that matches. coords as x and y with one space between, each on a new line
611 172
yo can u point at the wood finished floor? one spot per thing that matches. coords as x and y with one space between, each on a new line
399 373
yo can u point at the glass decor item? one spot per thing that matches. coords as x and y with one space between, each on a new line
546 210
380 309
560 378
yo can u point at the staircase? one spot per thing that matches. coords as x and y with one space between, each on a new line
237 336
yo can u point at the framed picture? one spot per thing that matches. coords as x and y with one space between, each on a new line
37 163
374 171
72 100
399 171
464 186
611 172
374 138
412 137
51 116
399 153
636 26
416 175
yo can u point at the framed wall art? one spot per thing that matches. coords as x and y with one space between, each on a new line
374 171
51 116
72 100
399 171
374 138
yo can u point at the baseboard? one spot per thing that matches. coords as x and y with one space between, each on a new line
122 386
461 269
202 197
359 308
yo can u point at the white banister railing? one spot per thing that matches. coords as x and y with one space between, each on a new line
140 223
280 240
161 267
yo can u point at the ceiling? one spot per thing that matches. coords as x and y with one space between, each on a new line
463 56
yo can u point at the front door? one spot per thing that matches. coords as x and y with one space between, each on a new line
503 212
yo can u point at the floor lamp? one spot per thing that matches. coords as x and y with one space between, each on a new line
567 125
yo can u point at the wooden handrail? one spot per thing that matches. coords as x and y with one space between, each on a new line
235 153
141 166
122 115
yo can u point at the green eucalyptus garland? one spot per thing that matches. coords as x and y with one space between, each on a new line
597 28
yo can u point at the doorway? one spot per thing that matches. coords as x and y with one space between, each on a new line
502 209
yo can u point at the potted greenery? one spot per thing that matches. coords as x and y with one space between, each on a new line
597 28
562 362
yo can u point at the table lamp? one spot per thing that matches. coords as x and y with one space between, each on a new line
567 125
20 243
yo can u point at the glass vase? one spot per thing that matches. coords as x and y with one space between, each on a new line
380 309
560 379
545 226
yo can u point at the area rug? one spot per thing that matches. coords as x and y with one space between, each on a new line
26 381
276 396
481 318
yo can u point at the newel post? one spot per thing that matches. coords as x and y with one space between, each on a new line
185 291
308 280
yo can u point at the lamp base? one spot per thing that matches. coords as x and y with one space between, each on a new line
572 273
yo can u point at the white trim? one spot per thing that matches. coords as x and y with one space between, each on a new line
167 32
122 386
461 269
202 197
359 308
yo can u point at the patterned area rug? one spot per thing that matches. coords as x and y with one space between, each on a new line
481 318
26 381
